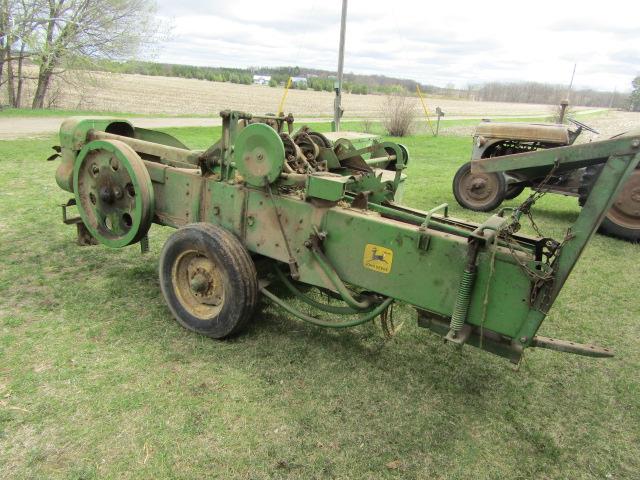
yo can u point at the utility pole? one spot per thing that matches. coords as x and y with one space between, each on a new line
337 107
571 82
564 104
613 97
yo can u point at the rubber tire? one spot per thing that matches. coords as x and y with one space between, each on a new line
236 267
607 227
495 203
513 191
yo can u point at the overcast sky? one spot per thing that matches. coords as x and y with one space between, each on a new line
445 42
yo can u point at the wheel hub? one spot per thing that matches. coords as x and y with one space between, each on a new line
198 284
106 194
625 210
478 184
478 188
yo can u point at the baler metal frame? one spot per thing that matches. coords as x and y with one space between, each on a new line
481 284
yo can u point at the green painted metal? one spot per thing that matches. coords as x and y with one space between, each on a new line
567 158
114 193
343 231
327 188
259 154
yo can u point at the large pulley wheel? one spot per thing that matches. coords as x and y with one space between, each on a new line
478 191
208 280
113 192
259 154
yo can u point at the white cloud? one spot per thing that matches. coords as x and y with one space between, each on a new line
459 41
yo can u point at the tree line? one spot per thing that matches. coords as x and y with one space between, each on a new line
534 92
319 80
323 80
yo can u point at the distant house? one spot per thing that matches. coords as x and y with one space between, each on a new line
298 81
261 79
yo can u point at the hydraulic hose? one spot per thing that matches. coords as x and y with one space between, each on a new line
309 301
337 282
367 317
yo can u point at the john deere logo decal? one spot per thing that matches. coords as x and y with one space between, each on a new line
377 258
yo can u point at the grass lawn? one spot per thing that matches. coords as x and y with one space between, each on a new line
98 381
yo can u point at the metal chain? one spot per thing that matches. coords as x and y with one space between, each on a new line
507 232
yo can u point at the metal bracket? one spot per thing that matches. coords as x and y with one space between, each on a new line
424 240
84 237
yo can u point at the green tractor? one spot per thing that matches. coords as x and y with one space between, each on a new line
495 172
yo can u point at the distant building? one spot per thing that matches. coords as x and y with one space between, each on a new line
298 80
261 79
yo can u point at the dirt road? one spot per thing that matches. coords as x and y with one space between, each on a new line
27 127
33 127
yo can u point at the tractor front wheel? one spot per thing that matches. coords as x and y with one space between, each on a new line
480 192
513 191
208 280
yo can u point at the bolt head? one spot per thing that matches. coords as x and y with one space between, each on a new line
635 143
106 194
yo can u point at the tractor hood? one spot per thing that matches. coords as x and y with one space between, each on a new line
540 132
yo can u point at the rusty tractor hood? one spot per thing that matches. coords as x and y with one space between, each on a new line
540 132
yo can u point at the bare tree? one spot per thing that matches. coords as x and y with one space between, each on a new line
3 35
398 114
19 21
75 31
634 104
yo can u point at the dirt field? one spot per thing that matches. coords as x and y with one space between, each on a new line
170 95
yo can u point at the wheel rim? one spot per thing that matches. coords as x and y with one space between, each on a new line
625 210
198 284
113 192
479 189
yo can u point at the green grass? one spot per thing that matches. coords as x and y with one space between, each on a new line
98 381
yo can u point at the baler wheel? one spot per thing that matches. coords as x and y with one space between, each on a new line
113 192
208 280
480 192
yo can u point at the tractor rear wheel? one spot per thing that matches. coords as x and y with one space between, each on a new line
480 192
623 218
208 280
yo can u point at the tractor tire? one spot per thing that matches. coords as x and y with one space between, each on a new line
208 280
623 218
480 192
513 191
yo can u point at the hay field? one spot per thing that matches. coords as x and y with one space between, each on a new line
170 95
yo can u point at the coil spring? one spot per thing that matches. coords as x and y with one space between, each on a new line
462 301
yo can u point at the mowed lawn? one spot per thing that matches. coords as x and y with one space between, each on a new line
98 381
